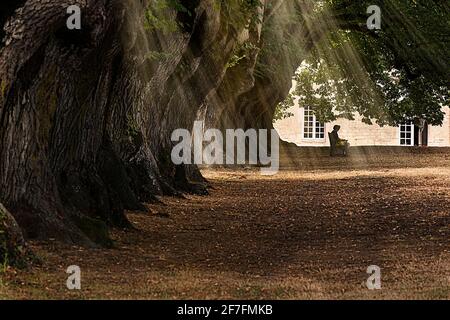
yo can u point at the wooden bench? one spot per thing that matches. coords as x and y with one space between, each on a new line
336 150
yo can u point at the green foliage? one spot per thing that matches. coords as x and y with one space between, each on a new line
159 56
396 73
240 13
281 40
281 111
240 53
237 13
157 15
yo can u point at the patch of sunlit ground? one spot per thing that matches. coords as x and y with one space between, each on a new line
415 280
309 232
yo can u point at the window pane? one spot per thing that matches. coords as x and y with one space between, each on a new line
312 129
406 131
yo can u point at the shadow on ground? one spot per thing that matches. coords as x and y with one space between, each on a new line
304 233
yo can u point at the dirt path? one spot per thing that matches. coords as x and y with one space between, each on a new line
305 233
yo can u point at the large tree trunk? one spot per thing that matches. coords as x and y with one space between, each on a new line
251 91
86 115
55 88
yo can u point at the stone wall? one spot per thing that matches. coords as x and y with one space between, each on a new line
357 132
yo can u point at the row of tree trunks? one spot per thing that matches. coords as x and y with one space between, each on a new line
86 115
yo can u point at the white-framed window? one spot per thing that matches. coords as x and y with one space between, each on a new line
312 129
407 134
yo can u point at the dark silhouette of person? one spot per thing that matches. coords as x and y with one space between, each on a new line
341 143
335 134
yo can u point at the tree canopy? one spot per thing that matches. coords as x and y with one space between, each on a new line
398 72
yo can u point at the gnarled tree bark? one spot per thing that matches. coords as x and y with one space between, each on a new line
86 115
13 250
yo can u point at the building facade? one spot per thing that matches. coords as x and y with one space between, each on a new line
303 129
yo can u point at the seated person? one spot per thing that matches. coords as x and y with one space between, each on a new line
340 143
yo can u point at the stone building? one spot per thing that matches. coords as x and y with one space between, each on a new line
303 129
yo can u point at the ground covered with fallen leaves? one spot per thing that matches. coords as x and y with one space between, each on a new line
309 232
